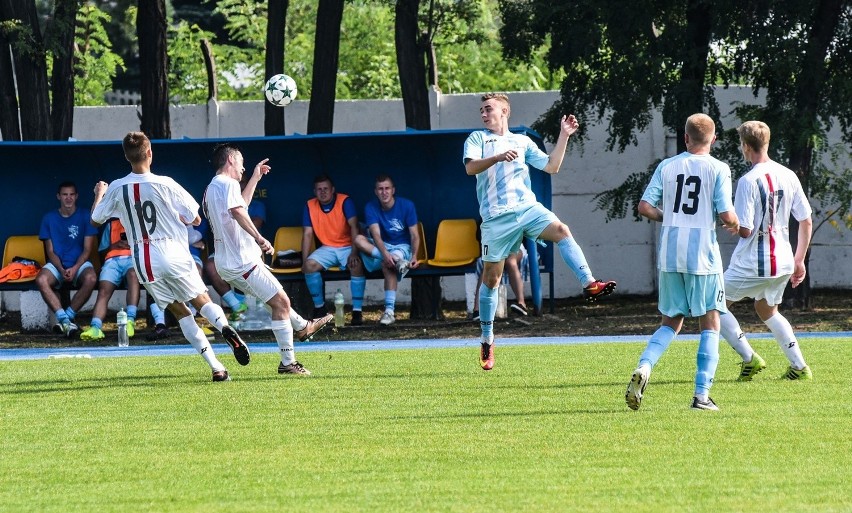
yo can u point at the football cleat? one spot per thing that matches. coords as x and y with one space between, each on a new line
402 268
750 369
293 368
71 330
519 309
319 311
803 374
387 319
313 327
92 333
486 355
241 350
636 387
598 289
357 318
221 375
131 328
160 332
238 313
709 405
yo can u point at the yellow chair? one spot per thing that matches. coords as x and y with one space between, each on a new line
25 246
288 237
422 253
455 244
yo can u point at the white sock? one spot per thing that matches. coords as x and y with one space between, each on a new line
196 337
214 315
783 332
297 321
283 332
729 328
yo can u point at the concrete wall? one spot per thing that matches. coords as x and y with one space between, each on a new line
623 250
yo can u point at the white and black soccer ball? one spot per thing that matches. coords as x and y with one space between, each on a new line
280 90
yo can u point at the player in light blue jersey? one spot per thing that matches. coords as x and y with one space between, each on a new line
692 189
500 162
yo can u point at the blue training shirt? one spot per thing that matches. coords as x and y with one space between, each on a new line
67 234
393 223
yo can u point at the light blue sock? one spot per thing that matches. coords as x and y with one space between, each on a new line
70 313
314 283
357 285
231 300
390 300
131 313
158 314
62 317
96 323
706 360
487 310
573 256
658 344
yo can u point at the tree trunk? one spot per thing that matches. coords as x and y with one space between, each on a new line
210 69
276 23
809 85
326 56
62 113
153 67
30 71
9 128
411 65
689 93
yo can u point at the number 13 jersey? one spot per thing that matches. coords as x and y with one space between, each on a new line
691 190
152 209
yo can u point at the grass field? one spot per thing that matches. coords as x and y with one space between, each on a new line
426 430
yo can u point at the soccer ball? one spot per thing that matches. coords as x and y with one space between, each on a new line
280 90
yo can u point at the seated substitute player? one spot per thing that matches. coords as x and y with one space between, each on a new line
240 246
68 239
500 162
763 261
117 268
331 217
692 188
393 240
155 210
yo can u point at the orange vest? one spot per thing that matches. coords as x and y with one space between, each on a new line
18 271
331 229
116 230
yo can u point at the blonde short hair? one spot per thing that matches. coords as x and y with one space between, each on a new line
500 97
700 128
136 146
755 134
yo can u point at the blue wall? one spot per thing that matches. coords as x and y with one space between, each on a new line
426 167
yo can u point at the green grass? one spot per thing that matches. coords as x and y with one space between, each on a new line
425 430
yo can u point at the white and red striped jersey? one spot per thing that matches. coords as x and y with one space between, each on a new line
766 197
154 211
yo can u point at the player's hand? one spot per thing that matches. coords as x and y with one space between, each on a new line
507 156
569 125
414 263
100 188
265 246
261 169
799 273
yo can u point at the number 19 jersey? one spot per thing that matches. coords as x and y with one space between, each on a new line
150 208
691 190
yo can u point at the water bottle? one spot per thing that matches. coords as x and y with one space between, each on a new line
338 309
121 322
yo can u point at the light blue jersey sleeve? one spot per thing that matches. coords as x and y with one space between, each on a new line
654 191
722 193
534 156
473 146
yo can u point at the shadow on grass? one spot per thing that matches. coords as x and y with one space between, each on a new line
69 385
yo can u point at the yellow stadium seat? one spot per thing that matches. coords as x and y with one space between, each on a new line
422 253
24 246
455 244
288 238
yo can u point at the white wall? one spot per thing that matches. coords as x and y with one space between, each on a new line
623 250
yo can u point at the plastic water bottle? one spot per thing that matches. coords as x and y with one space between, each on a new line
339 320
121 322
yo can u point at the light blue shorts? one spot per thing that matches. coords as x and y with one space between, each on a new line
371 263
59 281
328 256
502 235
115 269
691 295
